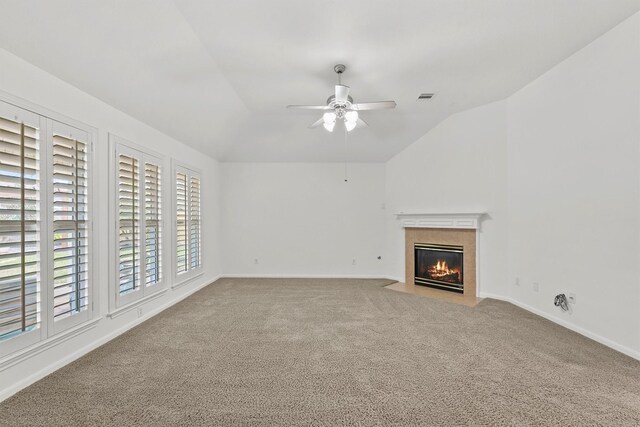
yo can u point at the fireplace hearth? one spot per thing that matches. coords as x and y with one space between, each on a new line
439 266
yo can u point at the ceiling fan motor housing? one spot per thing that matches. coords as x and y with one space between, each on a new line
339 108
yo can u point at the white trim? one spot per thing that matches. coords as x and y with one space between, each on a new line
46 112
135 303
116 139
478 287
24 354
302 276
54 366
600 339
188 278
440 220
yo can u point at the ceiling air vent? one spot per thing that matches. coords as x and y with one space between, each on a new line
425 96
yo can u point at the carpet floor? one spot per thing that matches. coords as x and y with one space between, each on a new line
336 352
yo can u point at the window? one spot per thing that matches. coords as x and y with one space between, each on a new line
188 255
70 231
139 222
20 268
44 227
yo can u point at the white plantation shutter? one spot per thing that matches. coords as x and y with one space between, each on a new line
194 222
153 223
181 222
139 222
188 220
70 229
129 224
20 268
44 227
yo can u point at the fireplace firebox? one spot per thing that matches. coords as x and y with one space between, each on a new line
439 266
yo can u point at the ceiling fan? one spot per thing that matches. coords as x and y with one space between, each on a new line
340 106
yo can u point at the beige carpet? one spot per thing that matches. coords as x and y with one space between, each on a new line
336 352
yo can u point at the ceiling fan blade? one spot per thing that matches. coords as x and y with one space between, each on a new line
318 123
380 105
310 107
361 123
342 93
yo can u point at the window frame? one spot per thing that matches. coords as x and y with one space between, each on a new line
122 303
28 338
51 330
86 315
180 279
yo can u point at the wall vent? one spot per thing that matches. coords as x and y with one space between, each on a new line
425 96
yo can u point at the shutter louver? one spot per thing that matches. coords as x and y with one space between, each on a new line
19 228
70 227
181 222
153 224
194 223
188 221
129 224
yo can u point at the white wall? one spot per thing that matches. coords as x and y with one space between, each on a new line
574 188
303 219
20 79
459 166
557 166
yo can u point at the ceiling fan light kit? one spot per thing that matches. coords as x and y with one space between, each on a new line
342 107
350 125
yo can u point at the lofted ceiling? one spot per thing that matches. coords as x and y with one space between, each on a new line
217 74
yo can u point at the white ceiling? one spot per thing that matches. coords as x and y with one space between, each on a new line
217 74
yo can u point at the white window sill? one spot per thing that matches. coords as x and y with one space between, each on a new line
132 305
188 278
46 344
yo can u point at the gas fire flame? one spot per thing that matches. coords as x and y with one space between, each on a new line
441 269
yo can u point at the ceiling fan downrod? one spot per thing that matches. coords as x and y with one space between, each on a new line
339 69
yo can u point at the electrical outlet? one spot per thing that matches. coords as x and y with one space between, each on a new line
536 287
255 260
353 261
517 282
571 297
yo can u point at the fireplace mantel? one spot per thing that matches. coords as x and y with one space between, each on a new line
440 220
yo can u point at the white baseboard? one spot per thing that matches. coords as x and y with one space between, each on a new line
562 322
302 276
52 367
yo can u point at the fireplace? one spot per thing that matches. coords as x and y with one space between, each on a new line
448 235
439 266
